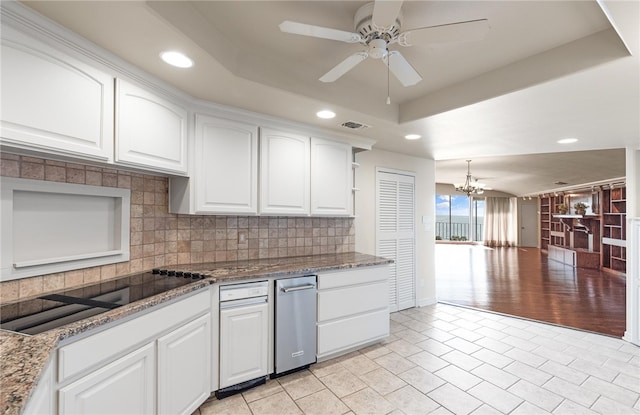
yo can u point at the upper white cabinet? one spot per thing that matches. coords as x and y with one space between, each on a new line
226 166
331 178
224 178
52 102
284 173
151 131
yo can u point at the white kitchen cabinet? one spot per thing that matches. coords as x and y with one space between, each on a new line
184 367
158 362
125 386
224 179
42 400
345 325
244 344
151 131
53 102
284 173
331 178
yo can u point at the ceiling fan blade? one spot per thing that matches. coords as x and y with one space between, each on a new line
318 31
451 32
344 67
385 12
402 69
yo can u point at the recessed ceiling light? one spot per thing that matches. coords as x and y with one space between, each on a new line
567 140
176 59
326 114
412 136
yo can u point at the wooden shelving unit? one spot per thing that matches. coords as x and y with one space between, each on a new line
545 222
614 213
597 238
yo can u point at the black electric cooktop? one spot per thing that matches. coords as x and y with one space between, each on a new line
54 310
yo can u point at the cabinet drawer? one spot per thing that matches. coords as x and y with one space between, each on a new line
353 277
338 303
339 335
102 347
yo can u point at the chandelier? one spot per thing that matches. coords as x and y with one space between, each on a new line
470 187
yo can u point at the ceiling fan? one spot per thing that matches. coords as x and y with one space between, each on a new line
378 26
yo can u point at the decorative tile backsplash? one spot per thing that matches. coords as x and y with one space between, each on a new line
160 238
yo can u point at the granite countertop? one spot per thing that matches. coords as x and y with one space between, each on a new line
25 356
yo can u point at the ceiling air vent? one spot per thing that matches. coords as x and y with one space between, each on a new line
354 125
560 183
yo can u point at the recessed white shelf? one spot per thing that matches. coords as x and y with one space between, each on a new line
25 264
50 227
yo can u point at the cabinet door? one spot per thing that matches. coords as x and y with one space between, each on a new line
52 102
284 173
184 367
42 398
125 386
331 177
226 173
243 344
151 132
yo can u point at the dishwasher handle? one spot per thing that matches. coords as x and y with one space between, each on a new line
298 288
243 302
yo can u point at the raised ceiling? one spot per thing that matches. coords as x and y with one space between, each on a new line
545 71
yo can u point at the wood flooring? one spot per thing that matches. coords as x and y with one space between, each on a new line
524 283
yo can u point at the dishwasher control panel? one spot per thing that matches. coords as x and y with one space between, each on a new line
246 290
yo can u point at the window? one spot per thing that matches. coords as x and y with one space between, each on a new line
459 218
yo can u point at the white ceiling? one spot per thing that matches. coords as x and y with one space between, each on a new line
546 70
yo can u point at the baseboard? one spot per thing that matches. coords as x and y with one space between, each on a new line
423 302
627 337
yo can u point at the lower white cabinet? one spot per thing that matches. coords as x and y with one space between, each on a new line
125 386
42 400
184 367
244 344
343 324
157 363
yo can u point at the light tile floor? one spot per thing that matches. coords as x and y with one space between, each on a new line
445 359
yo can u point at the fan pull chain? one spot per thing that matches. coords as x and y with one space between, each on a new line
388 64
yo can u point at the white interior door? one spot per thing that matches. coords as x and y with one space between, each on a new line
395 235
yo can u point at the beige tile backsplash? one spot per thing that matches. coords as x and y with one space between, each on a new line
159 238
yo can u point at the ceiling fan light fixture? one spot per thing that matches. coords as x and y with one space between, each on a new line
177 59
325 114
378 48
412 136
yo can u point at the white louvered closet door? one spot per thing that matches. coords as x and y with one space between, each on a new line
395 235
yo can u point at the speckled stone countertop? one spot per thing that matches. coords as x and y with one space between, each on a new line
23 357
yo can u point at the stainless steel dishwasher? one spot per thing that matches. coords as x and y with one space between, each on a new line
295 324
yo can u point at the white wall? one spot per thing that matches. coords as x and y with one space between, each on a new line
632 332
424 170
